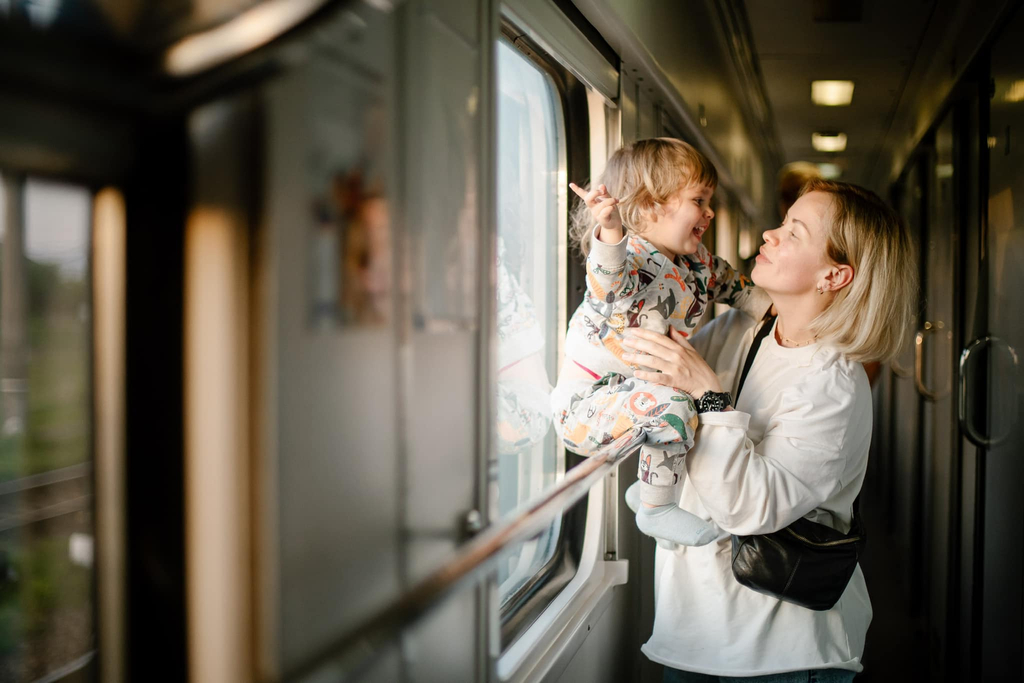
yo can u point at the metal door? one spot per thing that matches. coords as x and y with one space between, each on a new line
971 311
933 378
991 368
905 415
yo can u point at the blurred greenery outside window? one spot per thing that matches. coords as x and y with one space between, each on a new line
46 511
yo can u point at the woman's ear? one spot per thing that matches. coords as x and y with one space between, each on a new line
838 276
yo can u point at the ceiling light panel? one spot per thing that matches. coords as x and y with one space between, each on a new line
832 93
830 171
828 142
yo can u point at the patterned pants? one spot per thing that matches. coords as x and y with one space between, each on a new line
590 415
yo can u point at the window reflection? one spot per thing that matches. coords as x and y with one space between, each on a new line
529 151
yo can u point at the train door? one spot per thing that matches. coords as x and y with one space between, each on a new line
933 378
969 159
905 415
991 368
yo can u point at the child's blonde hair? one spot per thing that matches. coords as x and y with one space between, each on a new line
869 319
644 175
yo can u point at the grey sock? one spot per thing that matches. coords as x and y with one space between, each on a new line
633 496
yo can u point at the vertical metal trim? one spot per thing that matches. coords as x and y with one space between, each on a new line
961 225
109 271
14 306
919 592
265 504
982 323
408 89
487 604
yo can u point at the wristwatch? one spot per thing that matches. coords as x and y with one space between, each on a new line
713 402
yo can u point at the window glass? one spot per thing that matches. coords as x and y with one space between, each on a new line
529 299
46 523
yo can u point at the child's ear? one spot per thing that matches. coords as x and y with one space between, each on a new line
650 214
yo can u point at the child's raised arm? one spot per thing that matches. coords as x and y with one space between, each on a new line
607 276
604 210
726 286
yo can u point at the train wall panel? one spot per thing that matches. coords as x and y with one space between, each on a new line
446 121
337 451
440 649
603 658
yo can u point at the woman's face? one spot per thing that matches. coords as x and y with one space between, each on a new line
792 260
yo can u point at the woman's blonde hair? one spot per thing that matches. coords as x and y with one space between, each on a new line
644 175
868 320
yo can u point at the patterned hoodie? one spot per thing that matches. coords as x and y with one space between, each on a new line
632 284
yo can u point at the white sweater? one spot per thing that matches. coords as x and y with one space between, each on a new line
796 445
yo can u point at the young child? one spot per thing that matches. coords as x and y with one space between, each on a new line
656 275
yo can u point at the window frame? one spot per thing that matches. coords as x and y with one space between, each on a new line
522 608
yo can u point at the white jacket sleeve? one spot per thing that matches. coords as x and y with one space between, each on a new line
756 489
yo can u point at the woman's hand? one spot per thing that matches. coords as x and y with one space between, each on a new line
676 362
604 210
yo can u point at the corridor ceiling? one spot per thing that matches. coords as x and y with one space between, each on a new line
876 51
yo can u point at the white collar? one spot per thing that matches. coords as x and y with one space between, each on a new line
800 356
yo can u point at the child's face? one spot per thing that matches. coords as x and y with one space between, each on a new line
793 259
677 226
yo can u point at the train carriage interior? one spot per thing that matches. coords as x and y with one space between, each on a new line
284 291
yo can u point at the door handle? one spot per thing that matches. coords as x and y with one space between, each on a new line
925 392
967 421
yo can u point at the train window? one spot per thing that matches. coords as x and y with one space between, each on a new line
530 300
46 524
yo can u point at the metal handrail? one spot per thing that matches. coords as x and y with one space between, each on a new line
348 655
34 481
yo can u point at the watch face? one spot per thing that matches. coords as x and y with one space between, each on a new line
713 402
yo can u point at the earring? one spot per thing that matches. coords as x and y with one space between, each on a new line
820 290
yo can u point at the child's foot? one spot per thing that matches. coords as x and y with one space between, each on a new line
672 523
633 503
633 496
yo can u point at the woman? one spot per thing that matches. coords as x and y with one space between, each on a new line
840 272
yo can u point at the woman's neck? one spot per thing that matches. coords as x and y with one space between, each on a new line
795 316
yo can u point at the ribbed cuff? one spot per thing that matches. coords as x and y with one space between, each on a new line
658 495
607 254
727 418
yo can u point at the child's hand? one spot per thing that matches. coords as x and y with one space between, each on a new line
604 210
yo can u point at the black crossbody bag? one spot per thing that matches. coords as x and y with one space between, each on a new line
806 563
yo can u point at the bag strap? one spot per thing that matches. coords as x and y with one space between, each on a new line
766 326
